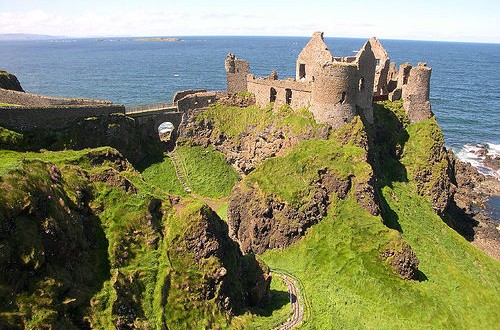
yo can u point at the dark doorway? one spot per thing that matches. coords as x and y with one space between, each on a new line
272 95
288 95
302 71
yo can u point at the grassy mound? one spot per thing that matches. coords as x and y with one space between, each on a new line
208 173
235 121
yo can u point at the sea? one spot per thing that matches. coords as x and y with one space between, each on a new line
465 82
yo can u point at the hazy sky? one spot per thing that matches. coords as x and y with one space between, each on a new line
454 20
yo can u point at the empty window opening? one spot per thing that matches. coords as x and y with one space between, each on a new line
361 84
288 96
405 79
302 71
343 97
272 95
377 62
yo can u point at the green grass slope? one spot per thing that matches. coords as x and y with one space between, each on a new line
339 260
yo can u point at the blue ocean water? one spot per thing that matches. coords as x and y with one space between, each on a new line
465 84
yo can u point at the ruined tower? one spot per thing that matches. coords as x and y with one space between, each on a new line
416 93
333 97
382 67
366 62
236 74
312 58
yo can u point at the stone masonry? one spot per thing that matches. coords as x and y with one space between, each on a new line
335 89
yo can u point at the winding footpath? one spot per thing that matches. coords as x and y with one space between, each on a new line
180 171
296 296
296 302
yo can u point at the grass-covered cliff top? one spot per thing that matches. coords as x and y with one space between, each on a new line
88 241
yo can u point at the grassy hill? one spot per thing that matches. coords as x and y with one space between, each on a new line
88 241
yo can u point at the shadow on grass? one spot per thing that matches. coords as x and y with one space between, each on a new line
420 276
277 300
460 221
389 217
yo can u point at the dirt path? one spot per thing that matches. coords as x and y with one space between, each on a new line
296 302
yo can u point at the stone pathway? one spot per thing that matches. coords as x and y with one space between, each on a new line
180 170
296 302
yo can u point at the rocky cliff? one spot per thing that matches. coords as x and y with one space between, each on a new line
9 81
85 242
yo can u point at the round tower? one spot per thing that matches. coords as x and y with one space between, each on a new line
416 94
334 92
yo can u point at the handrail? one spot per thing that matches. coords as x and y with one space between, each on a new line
152 106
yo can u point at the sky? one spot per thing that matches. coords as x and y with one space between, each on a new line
447 20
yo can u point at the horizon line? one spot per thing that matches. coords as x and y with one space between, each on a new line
51 37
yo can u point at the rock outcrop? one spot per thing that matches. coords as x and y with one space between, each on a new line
234 280
260 222
249 148
9 81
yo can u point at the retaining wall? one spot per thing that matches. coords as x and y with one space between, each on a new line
55 117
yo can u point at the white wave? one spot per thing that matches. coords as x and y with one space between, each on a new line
475 155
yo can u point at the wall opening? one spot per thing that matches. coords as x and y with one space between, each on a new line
302 71
343 97
165 131
288 96
377 62
361 85
272 95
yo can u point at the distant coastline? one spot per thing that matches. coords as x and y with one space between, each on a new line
167 39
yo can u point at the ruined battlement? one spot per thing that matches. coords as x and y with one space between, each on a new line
335 87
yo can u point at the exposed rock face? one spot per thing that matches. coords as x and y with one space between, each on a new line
235 280
467 214
49 244
9 81
260 222
403 260
250 148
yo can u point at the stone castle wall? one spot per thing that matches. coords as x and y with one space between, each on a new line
365 77
299 92
24 118
35 100
182 94
198 100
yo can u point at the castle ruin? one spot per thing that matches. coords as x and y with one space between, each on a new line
335 89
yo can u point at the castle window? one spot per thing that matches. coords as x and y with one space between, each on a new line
361 84
288 95
302 71
343 98
377 62
272 95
